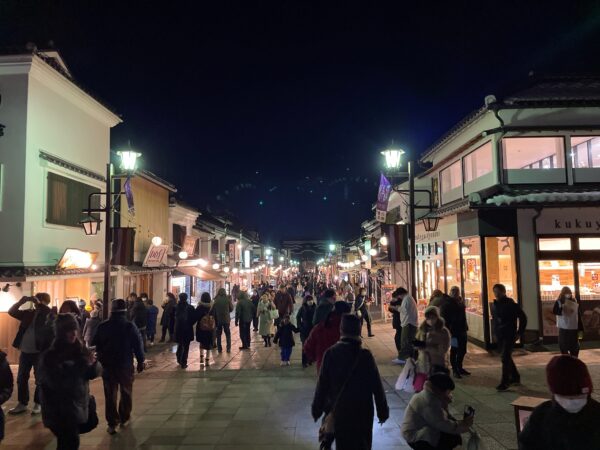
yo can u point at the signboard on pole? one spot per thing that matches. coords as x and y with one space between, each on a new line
189 244
383 197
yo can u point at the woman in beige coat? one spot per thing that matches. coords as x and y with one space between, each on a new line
433 343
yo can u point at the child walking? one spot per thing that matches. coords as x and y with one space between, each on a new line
285 338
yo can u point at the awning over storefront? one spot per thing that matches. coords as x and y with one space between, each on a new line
201 274
19 273
141 270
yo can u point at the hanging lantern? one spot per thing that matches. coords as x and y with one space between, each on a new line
90 225
431 223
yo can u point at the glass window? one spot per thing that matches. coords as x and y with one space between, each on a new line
478 163
452 264
471 256
554 244
451 178
533 152
585 151
589 243
66 199
554 274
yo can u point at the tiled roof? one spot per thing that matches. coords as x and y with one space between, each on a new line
559 89
71 166
139 269
20 273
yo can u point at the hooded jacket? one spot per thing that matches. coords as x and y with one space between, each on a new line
223 306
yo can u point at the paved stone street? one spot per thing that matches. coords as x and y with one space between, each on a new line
245 400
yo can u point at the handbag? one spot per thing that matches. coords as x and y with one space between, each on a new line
327 428
274 314
405 381
207 323
92 419
419 381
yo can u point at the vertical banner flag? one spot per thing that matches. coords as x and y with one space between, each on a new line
129 196
383 196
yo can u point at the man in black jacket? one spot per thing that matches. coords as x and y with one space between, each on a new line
505 314
396 324
33 337
117 341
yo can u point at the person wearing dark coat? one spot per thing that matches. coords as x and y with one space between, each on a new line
570 420
6 388
138 314
393 308
324 307
255 299
152 315
453 311
117 341
206 338
33 337
284 303
167 321
91 326
361 310
244 312
304 322
350 376
223 307
505 314
185 318
65 370
285 338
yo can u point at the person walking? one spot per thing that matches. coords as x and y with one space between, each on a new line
566 310
117 341
394 309
427 423
223 306
205 327
167 321
6 388
285 338
255 299
284 303
244 312
138 314
185 318
265 319
33 337
304 321
409 317
91 325
83 310
570 420
362 312
348 383
65 371
505 315
152 317
433 343
454 313
324 307
325 334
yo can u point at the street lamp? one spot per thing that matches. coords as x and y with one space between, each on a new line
393 159
430 223
91 224
383 240
331 247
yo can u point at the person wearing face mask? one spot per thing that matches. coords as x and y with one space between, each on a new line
427 423
570 420
304 321
566 310
433 340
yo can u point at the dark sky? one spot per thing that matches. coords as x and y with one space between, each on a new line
276 111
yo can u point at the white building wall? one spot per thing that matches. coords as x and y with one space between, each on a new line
13 114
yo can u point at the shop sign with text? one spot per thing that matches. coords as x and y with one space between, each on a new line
569 221
156 256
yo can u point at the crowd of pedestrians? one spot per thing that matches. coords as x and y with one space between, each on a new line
67 348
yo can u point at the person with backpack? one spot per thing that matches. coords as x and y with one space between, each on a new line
185 318
205 328
6 388
348 383
65 371
505 315
117 341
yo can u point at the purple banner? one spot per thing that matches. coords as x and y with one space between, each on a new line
385 189
129 196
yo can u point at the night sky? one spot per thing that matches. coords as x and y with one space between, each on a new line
276 111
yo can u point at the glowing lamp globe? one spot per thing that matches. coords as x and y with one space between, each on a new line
183 255
90 225
393 158
156 241
128 159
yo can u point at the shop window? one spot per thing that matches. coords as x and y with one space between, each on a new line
452 264
533 152
585 152
66 200
554 275
450 179
589 243
554 244
589 294
478 163
471 256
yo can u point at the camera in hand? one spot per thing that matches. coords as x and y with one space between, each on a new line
469 411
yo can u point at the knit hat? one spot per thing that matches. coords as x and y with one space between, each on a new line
64 323
567 375
350 326
118 305
442 381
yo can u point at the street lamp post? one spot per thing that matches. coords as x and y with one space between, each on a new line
91 225
393 159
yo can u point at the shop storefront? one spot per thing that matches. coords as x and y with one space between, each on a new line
568 254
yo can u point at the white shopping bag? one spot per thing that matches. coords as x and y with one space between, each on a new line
407 377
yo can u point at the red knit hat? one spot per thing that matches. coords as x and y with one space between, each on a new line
567 375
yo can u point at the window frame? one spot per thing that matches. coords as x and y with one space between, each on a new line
464 159
95 201
452 193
